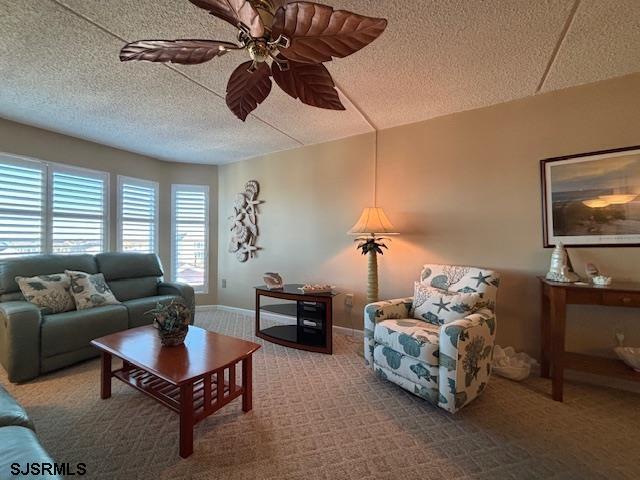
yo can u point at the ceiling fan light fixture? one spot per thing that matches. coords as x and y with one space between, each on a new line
290 34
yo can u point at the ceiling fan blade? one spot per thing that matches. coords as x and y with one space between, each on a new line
318 33
186 52
246 90
235 12
311 83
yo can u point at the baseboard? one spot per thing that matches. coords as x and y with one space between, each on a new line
274 317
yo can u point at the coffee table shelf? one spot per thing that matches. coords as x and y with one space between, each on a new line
205 390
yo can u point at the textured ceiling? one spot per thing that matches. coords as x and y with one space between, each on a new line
59 70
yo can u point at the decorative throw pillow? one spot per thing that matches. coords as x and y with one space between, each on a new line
49 292
90 290
440 307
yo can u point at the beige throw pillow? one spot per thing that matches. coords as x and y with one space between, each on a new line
49 292
90 290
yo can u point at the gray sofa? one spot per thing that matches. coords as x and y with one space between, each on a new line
32 343
19 445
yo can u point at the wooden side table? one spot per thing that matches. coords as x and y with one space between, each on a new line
553 357
313 312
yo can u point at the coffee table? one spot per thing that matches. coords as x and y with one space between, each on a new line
189 379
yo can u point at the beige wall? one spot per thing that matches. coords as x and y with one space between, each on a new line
462 189
40 144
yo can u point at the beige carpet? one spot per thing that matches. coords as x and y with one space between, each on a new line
327 417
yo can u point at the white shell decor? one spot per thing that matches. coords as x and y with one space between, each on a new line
316 288
273 280
560 271
244 222
512 365
629 355
601 280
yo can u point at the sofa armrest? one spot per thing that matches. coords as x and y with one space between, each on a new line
182 290
377 312
466 351
20 340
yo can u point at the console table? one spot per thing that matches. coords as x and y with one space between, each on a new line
553 357
313 313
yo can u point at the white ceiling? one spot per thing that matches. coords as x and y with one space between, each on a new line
59 70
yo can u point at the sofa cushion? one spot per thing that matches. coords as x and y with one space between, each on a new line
139 307
20 445
90 291
69 331
116 266
11 412
30 266
440 307
410 337
49 292
130 288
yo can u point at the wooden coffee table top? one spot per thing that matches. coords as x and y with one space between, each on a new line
202 352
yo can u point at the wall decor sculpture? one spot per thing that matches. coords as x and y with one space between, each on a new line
244 222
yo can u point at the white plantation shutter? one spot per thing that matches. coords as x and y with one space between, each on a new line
22 194
78 210
190 220
137 215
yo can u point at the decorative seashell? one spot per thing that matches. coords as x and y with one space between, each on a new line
591 270
240 201
273 280
233 245
244 230
251 189
241 234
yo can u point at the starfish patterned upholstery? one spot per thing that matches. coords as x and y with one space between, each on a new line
448 365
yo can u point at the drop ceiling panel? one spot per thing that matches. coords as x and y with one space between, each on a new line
173 19
439 57
602 42
56 75
59 69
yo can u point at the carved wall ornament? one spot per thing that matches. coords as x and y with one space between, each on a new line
244 222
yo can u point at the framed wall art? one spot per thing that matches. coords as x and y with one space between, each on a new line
592 199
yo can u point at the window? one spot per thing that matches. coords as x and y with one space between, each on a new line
190 235
50 208
78 210
137 215
22 194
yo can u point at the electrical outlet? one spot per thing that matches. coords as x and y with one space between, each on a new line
224 283
348 300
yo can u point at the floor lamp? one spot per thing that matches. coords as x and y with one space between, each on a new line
372 229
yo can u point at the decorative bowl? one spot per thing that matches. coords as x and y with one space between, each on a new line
630 356
601 280
316 289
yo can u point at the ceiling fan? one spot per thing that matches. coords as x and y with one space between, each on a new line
295 37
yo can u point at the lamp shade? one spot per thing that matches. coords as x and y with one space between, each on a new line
373 221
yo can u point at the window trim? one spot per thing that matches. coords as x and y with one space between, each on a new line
175 187
121 181
26 162
48 168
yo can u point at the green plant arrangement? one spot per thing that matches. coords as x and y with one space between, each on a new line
172 322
